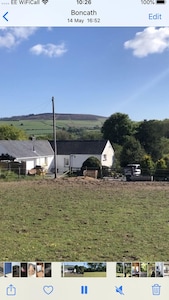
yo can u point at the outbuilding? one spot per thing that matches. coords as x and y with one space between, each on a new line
32 152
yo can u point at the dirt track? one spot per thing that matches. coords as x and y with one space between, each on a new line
87 181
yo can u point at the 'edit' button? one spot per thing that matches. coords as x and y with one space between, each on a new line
156 16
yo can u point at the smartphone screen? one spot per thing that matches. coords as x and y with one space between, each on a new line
84 149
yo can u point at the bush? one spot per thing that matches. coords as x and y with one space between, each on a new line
147 165
92 163
161 172
8 175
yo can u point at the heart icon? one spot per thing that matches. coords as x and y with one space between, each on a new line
48 289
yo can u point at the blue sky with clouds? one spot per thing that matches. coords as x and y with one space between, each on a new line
88 70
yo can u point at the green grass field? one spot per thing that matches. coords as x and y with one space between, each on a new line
94 274
43 127
86 274
84 220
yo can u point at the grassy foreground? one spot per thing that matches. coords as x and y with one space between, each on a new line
86 274
84 220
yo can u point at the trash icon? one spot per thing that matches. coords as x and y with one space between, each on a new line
156 289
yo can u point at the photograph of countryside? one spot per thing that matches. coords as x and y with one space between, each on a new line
75 216
84 146
83 269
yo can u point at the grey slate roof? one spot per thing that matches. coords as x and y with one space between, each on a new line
68 147
24 149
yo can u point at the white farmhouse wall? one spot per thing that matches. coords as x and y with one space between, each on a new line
30 163
76 160
48 163
107 157
63 163
45 162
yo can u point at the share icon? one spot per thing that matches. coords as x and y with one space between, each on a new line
119 290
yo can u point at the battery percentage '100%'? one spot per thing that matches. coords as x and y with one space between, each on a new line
148 2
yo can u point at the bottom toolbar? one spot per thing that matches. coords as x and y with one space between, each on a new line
76 280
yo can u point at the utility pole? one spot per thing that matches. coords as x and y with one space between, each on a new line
54 137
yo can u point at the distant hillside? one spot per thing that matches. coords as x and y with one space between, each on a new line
49 116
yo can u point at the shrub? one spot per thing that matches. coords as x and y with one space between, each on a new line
92 163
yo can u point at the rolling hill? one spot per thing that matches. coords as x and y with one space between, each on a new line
42 124
49 116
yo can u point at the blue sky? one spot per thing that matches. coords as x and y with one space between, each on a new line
85 264
88 70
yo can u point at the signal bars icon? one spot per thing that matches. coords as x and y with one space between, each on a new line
45 1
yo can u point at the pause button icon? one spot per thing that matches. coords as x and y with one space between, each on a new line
84 289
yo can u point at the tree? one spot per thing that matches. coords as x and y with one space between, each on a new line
96 267
92 163
92 266
117 155
164 142
81 269
117 127
6 156
166 158
149 135
161 170
165 128
132 152
11 133
161 164
147 165
91 135
77 268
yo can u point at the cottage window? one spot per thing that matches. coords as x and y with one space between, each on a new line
104 156
66 162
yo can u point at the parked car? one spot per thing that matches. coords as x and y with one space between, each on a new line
132 170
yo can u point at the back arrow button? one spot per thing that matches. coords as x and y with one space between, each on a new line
4 16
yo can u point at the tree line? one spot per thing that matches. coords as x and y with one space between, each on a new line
145 142
91 267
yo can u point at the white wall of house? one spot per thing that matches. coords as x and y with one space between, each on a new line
49 162
107 156
30 163
73 161
63 163
46 162
76 160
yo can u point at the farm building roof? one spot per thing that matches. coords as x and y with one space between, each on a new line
24 149
67 147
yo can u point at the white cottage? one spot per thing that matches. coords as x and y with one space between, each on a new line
32 152
72 153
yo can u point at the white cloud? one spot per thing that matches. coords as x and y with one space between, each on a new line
149 41
49 50
12 37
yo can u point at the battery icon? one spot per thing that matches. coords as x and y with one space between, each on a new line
160 1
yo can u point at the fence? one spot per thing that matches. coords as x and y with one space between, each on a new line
15 167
